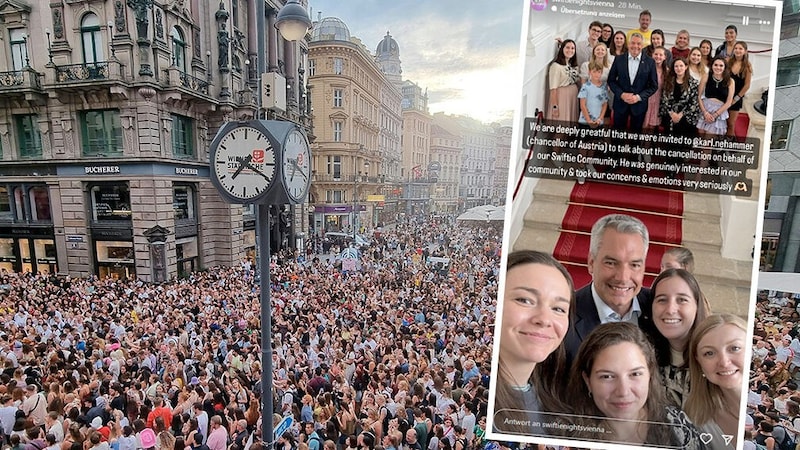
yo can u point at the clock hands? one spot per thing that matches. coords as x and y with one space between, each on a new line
251 167
242 164
296 168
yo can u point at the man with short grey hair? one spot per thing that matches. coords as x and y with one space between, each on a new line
633 79
617 256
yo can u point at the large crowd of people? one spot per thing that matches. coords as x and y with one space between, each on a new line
631 80
393 356
773 402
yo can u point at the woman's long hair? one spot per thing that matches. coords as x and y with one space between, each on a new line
671 78
561 58
602 337
613 47
606 62
747 69
705 398
726 74
548 376
703 310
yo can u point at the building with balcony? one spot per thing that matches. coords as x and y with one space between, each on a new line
107 108
477 173
357 125
446 149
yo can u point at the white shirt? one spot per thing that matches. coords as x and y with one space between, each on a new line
607 314
633 65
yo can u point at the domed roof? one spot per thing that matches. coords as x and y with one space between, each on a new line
388 46
330 29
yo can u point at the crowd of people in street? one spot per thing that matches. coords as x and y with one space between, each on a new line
773 401
394 356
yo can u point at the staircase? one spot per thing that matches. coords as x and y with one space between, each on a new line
725 282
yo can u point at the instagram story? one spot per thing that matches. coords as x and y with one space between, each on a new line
635 196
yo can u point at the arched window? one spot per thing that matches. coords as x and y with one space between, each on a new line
92 39
178 49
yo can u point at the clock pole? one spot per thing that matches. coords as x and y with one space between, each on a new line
262 225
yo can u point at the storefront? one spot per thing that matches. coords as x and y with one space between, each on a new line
27 239
337 218
28 249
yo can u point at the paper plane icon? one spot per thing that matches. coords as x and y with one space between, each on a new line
728 438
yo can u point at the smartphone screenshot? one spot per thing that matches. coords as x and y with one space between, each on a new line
635 194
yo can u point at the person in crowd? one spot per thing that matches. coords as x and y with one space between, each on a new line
653 120
627 391
606 36
681 48
716 97
645 18
563 82
679 107
205 326
706 49
717 365
742 74
600 57
583 50
615 293
725 50
678 258
657 40
678 306
593 97
697 66
619 44
633 80
536 307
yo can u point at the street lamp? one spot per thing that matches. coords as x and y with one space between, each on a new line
356 176
293 21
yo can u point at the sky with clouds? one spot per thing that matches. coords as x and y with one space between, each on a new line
464 52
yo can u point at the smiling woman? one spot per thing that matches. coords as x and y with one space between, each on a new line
621 398
717 363
678 306
536 315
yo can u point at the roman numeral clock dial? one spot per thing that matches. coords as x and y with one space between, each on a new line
243 163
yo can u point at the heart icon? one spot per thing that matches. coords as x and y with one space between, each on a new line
706 437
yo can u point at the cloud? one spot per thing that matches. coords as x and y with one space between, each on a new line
461 51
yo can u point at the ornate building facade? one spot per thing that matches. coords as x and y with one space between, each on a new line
106 112
357 118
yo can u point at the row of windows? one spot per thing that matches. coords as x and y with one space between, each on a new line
101 133
109 203
93 44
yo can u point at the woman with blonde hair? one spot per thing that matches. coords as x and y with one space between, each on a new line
717 365
697 66
600 57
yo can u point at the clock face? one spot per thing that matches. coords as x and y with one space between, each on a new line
244 163
296 165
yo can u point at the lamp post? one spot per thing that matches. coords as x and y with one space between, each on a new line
356 176
293 23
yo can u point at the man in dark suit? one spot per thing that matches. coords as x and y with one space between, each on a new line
633 79
617 254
